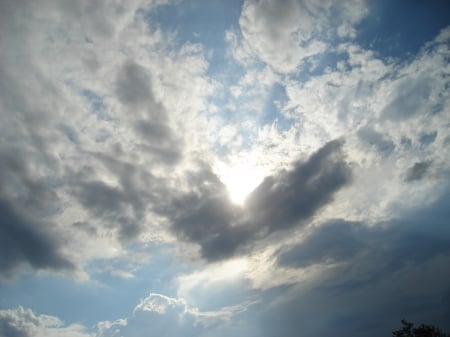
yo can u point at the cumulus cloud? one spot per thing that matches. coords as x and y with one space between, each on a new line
25 323
158 315
283 34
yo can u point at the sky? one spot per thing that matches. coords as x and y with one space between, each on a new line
212 168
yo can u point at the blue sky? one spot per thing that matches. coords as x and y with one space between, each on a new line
223 168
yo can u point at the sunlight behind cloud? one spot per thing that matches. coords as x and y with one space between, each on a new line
241 180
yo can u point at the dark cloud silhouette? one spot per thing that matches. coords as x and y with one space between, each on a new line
417 171
208 218
373 275
292 196
282 201
24 197
25 242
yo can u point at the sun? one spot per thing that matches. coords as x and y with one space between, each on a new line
240 180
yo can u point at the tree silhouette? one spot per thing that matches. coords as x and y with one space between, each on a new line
423 330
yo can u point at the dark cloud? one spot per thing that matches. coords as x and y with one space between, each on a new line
208 218
374 276
100 198
376 139
134 90
159 142
24 198
19 184
333 242
114 207
417 171
25 242
282 201
155 132
413 238
293 196
133 85
86 227
120 208
391 245
428 138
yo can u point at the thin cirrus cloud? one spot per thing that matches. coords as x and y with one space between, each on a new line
121 124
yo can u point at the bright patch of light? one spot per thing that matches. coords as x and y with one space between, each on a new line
198 284
233 268
241 180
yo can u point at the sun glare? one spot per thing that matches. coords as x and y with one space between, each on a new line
240 181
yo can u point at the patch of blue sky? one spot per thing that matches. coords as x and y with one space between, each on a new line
58 296
399 29
104 297
97 104
201 22
276 99
428 138
319 64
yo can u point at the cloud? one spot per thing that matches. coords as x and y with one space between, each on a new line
134 90
90 122
283 34
25 323
26 235
25 242
366 275
160 315
294 196
392 245
412 96
332 242
133 87
208 218
417 171
376 139
282 201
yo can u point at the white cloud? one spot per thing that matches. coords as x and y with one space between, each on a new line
25 323
160 304
158 315
61 110
282 34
